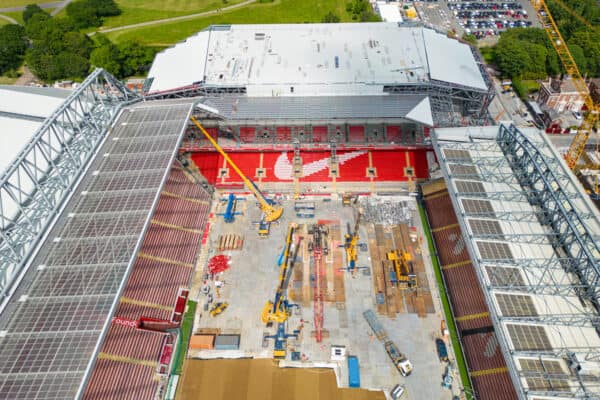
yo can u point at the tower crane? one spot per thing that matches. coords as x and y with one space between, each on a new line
577 148
271 213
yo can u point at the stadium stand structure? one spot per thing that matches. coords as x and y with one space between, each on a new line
487 368
532 236
292 66
59 310
132 354
95 210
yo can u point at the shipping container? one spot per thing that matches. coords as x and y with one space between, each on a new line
353 372
202 342
227 342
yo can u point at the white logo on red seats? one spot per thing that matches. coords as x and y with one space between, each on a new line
283 166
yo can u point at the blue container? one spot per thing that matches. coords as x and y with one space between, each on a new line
353 372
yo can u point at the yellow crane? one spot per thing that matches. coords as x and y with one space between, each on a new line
351 241
271 213
577 147
278 310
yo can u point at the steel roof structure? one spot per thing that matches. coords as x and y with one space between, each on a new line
54 322
533 238
239 108
311 60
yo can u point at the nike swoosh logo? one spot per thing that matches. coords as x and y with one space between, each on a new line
284 170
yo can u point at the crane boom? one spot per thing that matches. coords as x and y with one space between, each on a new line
577 147
278 309
351 243
271 213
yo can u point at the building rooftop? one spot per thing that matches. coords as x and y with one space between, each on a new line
315 59
389 12
542 296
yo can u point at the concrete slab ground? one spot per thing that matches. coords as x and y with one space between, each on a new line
251 281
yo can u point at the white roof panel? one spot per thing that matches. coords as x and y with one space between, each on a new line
389 12
25 103
15 134
182 65
312 59
451 61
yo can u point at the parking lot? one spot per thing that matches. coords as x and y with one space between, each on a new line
483 18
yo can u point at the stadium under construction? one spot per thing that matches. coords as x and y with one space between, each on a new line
137 265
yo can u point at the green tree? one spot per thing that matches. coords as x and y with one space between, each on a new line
13 44
31 10
78 43
107 57
330 17
579 58
82 15
104 8
511 58
87 13
135 58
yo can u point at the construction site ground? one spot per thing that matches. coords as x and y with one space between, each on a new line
411 321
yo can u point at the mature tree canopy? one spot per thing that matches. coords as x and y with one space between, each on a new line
13 44
87 13
107 57
30 10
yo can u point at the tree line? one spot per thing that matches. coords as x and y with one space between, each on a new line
56 49
527 53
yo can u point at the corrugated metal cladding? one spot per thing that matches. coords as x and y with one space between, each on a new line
51 330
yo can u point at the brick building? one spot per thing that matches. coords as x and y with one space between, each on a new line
560 95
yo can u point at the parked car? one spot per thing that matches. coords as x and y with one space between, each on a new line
442 351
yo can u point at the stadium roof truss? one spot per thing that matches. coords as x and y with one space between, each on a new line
533 237
52 327
41 178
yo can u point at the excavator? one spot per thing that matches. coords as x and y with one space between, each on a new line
404 275
270 211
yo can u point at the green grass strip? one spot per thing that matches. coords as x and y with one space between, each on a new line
186 331
460 361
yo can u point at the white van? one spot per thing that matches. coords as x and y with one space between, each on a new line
397 392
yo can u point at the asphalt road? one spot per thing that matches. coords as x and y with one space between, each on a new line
45 5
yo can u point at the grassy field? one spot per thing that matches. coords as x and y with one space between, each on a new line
280 11
14 15
22 3
135 11
7 81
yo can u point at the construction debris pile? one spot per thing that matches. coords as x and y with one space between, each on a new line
387 210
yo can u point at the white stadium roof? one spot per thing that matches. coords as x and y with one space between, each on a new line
314 59
22 111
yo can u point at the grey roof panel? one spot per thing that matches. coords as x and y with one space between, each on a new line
316 107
